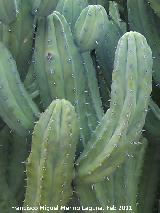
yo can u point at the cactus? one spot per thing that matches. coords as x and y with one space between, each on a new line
30 82
18 37
7 199
8 10
21 37
118 129
16 165
150 178
71 10
4 35
17 108
43 7
59 61
142 19
115 16
106 48
93 101
104 3
50 165
87 37
155 4
105 192
132 173
152 122
87 196
73 61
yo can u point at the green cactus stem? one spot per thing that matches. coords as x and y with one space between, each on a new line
122 124
155 4
8 10
115 28
142 19
7 199
16 106
50 166
148 185
88 36
43 8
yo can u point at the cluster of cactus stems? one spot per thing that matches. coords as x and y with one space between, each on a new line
79 109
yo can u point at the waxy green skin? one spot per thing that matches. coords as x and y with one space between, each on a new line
143 19
87 196
155 4
50 167
149 182
133 170
58 60
121 188
16 106
8 11
123 122
30 82
115 28
7 199
152 122
18 37
43 8
104 3
21 37
19 149
71 10
87 36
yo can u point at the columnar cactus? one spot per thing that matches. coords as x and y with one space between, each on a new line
149 181
142 19
71 10
74 62
16 165
152 122
43 7
17 108
58 60
50 167
8 10
7 200
87 37
121 125
155 4
115 28
94 105
18 36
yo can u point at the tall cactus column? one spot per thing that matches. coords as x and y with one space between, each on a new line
50 167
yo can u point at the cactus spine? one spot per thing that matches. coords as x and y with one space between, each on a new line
50 167
112 140
17 108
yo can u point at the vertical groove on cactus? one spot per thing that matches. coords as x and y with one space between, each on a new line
17 108
50 167
113 138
